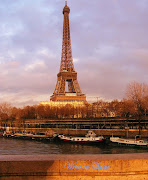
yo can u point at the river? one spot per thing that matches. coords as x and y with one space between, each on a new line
23 147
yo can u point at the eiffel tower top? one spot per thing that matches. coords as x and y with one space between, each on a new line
66 57
66 8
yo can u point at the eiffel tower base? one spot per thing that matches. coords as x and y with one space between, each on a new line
68 97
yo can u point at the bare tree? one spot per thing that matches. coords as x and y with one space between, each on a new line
127 108
114 106
40 110
13 115
5 111
138 94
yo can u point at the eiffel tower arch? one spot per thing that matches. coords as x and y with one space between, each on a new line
67 76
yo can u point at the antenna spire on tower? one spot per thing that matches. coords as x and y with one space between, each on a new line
65 2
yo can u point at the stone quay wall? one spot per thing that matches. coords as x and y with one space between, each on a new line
74 167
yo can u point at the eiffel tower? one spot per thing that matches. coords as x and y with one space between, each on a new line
67 86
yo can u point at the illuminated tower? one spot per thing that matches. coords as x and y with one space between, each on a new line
67 86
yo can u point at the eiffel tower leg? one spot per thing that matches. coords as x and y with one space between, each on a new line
70 87
56 88
77 87
62 86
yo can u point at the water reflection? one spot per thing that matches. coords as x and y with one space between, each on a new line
17 146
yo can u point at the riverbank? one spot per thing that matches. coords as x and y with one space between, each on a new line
76 167
82 132
102 126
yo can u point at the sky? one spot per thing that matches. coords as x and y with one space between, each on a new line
109 46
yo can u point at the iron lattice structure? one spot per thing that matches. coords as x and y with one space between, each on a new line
67 74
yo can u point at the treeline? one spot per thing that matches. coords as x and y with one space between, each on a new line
134 105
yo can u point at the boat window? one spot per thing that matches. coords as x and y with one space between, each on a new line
81 139
78 139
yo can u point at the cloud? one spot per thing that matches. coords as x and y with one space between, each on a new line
75 60
34 66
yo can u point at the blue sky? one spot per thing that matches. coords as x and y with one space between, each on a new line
109 44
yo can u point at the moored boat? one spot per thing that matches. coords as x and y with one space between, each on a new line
7 134
90 137
129 142
22 135
38 136
41 136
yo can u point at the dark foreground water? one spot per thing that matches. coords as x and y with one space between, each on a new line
23 147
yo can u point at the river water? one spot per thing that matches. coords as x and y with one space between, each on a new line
28 147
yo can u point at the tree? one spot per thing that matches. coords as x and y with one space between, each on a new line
47 111
13 115
40 110
127 108
115 107
138 94
5 111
